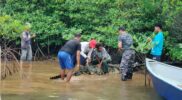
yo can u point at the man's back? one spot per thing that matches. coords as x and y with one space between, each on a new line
71 46
102 54
126 40
84 46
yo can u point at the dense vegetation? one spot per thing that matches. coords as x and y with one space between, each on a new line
55 21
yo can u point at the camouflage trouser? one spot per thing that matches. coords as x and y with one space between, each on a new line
127 62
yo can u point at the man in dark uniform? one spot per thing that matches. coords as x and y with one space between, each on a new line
66 56
125 42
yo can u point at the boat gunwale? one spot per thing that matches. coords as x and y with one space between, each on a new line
159 77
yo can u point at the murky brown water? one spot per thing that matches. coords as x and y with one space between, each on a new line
36 85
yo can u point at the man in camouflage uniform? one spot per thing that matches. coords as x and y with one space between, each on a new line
125 42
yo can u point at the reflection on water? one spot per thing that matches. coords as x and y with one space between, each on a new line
32 83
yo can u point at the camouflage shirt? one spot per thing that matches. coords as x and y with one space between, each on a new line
126 40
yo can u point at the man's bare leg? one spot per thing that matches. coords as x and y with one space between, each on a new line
21 69
25 69
62 74
69 75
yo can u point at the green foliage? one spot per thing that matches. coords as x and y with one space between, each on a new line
141 43
45 27
175 52
10 28
175 29
54 21
174 49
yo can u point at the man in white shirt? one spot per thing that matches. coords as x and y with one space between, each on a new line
86 52
84 49
85 55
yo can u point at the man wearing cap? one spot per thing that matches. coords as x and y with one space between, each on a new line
26 53
92 45
66 56
85 54
125 42
26 49
86 51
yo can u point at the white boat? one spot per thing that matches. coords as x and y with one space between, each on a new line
167 79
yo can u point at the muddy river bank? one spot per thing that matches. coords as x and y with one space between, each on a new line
33 83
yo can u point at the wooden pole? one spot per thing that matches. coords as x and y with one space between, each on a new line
48 49
145 71
145 75
0 63
0 73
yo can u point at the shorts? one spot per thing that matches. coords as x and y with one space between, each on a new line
66 60
156 57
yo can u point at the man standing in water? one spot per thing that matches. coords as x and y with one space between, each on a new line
125 42
85 58
26 48
157 42
26 53
66 56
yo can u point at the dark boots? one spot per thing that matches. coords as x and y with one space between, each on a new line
129 75
123 78
126 77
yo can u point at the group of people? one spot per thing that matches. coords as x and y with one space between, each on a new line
93 53
76 53
79 53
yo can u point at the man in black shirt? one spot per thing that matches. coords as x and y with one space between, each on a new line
66 56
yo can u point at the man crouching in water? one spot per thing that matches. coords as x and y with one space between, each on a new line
66 56
125 42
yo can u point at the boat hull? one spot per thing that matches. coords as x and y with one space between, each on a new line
164 88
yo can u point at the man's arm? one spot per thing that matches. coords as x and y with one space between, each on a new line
105 54
90 53
100 62
33 36
78 54
119 45
83 54
78 57
157 40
